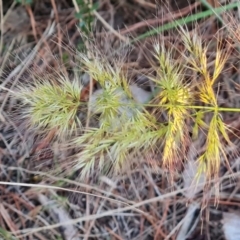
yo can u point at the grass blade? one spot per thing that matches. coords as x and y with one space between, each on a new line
186 20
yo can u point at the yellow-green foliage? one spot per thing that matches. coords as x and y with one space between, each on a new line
126 129
210 160
174 97
52 105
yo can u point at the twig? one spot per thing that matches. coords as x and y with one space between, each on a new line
113 212
146 4
32 20
58 27
110 28
168 17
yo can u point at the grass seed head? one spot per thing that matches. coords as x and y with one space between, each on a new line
174 98
196 52
211 159
113 149
51 105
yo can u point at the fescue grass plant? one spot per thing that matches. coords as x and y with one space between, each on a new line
109 125
126 128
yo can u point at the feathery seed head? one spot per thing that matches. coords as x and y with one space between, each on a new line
108 76
197 52
51 105
174 97
113 147
210 160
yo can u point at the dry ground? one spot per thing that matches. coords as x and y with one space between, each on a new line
39 202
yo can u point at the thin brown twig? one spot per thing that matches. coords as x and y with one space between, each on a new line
154 21
33 22
114 234
58 28
146 4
